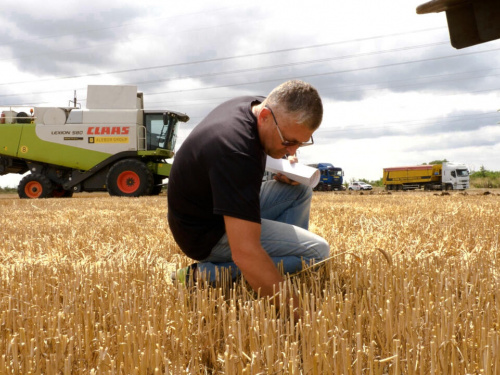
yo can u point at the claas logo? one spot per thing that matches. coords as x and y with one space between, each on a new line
108 130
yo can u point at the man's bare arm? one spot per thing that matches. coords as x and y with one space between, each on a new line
250 257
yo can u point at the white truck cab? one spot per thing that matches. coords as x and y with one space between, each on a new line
455 176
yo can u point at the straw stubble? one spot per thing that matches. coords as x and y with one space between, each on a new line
412 286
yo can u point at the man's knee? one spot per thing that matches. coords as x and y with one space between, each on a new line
307 191
282 189
323 249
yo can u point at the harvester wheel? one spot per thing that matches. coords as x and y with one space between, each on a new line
35 186
23 118
59 192
129 178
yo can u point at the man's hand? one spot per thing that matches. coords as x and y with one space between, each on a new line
282 178
250 257
252 260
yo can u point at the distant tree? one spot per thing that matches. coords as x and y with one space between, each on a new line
485 178
8 190
482 171
437 162
378 182
372 182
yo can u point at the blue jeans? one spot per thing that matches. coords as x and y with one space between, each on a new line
284 235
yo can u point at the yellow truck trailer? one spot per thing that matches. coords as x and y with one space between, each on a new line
446 176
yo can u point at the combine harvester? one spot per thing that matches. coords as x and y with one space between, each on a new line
114 145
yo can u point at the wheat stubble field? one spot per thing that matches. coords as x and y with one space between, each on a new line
412 288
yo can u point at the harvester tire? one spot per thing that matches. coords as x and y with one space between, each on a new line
129 178
59 192
23 118
35 186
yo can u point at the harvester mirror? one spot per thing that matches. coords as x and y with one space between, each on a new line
182 117
166 118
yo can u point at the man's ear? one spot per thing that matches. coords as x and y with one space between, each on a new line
261 116
264 113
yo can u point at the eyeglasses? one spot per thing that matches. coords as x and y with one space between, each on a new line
289 143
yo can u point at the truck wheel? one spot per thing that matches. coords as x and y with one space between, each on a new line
34 186
129 178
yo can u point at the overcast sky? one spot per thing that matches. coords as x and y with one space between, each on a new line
395 91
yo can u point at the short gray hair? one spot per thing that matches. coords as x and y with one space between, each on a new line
298 99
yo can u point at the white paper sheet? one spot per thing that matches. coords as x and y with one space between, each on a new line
295 171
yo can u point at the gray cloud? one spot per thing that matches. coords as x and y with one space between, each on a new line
84 43
458 121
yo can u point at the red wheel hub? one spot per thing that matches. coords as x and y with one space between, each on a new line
128 182
33 189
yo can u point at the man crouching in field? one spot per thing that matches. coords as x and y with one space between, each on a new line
220 212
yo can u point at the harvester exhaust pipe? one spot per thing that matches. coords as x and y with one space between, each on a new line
74 101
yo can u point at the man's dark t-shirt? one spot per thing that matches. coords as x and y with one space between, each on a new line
217 171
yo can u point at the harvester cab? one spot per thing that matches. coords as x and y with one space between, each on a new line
161 129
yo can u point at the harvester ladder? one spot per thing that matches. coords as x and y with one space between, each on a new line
141 138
